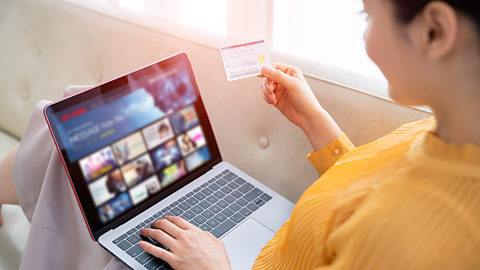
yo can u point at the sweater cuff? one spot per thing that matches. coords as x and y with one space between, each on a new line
326 157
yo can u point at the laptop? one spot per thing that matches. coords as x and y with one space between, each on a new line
141 147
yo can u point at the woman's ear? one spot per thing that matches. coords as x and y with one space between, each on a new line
437 30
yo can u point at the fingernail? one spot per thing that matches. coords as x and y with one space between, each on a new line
271 96
266 70
142 243
267 86
142 230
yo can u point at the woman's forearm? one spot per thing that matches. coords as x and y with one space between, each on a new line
321 129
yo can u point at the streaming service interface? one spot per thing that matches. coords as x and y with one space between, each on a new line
132 145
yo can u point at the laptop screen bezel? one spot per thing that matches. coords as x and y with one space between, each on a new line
75 176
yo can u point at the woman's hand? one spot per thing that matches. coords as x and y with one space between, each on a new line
190 247
286 89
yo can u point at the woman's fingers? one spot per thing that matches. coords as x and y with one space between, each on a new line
180 222
160 236
158 252
168 227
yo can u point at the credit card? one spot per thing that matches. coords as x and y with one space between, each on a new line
245 59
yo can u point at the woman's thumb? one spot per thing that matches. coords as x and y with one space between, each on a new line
278 76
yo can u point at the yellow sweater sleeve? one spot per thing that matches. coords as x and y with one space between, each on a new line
326 157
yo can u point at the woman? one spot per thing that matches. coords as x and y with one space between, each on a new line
410 200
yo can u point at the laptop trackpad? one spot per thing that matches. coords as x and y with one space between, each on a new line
245 242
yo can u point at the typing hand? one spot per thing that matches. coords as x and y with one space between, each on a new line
190 247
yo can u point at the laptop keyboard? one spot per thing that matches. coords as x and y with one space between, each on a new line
216 206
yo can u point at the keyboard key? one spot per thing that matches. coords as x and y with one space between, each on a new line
211 180
197 209
204 185
221 182
134 251
134 239
161 246
234 207
182 199
207 214
213 223
174 204
154 264
212 199
144 258
177 211
157 214
219 194
265 197
207 191
149 225
229 199
240 181
252 207
205 227
131 231
124 245
190 194
230 176
148 220
197 189
246 188
120 238
200 219
192 201
233 185
184 206
166 215
227 212
260 203
219 176
166 209
237 217
220 217
226 171
215 209
194 223
184 217
139 226
252 194
241 202
236 194
222 204
226 190
245 212
199 196
205 204
214 187
189 214
223 228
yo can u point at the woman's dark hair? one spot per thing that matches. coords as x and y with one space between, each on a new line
406 10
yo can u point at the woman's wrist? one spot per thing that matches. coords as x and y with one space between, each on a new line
321 129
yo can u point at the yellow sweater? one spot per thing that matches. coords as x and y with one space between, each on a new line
405 201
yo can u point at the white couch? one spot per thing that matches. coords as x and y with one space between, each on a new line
46 45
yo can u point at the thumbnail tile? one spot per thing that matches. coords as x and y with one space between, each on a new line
98 164
114 208
166 155
184 120
197 158
144 190
107 187
158 133
138 170
191 140
129 148
173 173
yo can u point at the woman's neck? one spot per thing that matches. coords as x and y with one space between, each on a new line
458 118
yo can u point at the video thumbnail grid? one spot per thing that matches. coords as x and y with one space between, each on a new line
135 168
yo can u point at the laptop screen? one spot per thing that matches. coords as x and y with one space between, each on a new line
132 139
